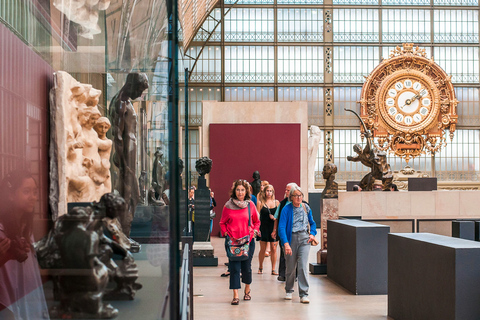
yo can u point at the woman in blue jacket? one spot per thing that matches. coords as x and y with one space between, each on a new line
297 229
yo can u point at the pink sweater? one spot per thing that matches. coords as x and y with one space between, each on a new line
235 222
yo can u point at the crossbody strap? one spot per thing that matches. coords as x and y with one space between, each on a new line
306 213
249 216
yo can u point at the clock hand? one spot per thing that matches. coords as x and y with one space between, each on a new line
417 96
410 101
407 103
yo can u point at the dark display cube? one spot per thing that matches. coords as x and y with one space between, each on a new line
315 202
422 184
357 255
350 185
463 229
433 277
477 230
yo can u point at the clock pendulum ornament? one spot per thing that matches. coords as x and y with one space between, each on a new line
407 102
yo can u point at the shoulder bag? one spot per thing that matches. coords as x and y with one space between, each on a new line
237 249
314 242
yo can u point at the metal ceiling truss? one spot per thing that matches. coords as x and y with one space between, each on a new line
210 34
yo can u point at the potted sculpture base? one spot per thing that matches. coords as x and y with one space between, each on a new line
106 312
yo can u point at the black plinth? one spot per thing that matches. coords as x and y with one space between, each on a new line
477 230
357 255
433 277
203 255
315 202
182 212
350 185
202 214
422 184
463 229
205 262
318 268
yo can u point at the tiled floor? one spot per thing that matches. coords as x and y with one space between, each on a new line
327 300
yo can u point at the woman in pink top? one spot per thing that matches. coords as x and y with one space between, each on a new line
234 223
21 290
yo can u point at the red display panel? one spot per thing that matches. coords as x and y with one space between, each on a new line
237 150
25 81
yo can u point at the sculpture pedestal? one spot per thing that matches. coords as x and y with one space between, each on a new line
357 256
203 255
315 202
329 212
201 231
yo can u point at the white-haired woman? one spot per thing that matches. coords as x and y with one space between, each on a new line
296 230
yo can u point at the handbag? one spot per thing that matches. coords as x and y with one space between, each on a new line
212 214
314 242
237 249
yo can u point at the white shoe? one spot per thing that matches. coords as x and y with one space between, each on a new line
304 300
288 296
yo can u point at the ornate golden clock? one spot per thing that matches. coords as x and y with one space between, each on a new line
407 102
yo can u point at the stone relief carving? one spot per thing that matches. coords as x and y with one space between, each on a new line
104 150
81 154
84 13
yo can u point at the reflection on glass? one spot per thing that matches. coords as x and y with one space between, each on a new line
21 292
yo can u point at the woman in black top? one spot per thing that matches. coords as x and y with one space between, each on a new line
267 205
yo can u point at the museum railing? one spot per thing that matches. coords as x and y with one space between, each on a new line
186 280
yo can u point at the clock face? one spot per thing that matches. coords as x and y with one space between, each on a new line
408 102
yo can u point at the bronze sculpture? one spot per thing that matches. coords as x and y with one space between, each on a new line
256 183
203 166
81 293
331 186
124 121
372 158
158 179
86 238
112 238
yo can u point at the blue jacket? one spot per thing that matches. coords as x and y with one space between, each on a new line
254 199
286 222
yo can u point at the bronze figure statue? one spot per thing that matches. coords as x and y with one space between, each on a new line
113 240
370 157
124 125
86 238
158 179
81 293
256 183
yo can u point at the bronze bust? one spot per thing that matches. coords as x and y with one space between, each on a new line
331 186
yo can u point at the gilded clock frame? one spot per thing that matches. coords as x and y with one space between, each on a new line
429 135
401 75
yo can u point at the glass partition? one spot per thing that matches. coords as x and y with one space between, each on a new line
89 161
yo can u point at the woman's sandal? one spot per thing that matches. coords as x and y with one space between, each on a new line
247 296
274 273
260 270
235 302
